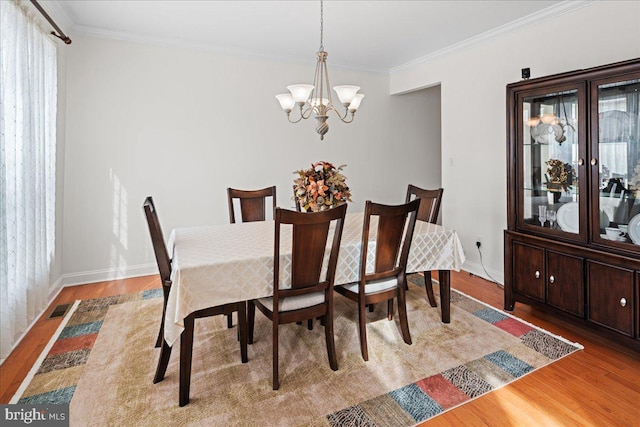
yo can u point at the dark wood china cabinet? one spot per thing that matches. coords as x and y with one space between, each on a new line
573 197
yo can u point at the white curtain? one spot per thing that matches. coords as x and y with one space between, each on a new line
28 92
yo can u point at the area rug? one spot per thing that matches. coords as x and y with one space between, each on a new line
106 372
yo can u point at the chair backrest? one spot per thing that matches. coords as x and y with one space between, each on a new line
430 205
393 238
310 232
252 203
157 239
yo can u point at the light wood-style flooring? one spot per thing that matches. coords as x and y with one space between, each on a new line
599 386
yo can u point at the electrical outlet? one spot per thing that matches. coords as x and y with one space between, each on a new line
479 241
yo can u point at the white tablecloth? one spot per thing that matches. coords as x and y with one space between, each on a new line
219 264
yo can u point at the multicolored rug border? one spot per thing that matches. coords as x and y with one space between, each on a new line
434 395
70 346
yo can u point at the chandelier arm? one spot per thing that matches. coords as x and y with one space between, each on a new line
341 117
293 121
303 115
306 113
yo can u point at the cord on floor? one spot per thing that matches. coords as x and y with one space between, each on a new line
485 270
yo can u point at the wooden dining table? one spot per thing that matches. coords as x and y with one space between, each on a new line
220 264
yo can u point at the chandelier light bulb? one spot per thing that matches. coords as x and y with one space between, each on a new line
286 101
353 106
346 93
316 102
300 92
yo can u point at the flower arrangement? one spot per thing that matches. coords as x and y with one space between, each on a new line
561 175
321 187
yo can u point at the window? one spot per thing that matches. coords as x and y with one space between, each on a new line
28 84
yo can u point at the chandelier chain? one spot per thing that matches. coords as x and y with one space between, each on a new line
321 25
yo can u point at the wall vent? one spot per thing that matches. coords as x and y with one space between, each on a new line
59 311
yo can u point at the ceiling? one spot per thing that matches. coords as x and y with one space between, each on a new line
366 35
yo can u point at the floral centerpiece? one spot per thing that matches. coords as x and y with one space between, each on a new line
561 175
321 187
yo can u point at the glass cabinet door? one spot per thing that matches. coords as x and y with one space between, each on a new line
616 162
551 131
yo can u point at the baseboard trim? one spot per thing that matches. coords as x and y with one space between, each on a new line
105 275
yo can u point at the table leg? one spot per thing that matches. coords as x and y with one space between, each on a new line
186 348
444 276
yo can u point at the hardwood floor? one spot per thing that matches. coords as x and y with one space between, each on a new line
599 386
17 365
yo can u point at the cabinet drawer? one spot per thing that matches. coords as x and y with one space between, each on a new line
565 282
528 271
611 297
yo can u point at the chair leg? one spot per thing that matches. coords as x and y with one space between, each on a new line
402 313
242 327
251 317
390 309
276 383
371 307
310 324
160 339
429 288
362 330
229 320
186 349
331 346
163 362
160 334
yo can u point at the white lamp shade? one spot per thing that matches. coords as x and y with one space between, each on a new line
356 102
346 93
316 102
286 101
300 92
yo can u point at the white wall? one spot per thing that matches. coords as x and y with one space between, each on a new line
421 111
183 125
473 82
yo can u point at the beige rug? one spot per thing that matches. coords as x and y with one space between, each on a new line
447 365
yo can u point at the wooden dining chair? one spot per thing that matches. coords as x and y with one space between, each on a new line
429 211
164 268
252 208
387 281
311 292
252 203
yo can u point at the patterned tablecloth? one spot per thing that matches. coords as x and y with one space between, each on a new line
219 264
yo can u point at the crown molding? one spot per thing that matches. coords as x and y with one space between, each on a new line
551 12
204 47
58 13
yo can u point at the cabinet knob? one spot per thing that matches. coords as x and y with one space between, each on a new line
552 279
594 162
537 274
580 162
623 302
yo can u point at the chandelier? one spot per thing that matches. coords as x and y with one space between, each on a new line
316 98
